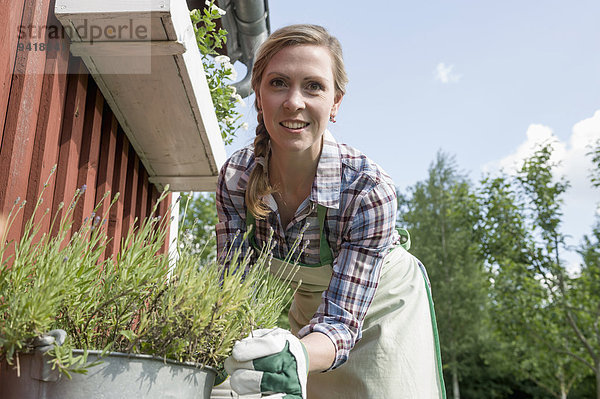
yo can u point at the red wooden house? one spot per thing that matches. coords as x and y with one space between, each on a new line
114 95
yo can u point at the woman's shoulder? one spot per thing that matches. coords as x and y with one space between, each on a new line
236 169
358 167
243 157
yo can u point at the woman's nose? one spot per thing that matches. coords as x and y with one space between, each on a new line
294 100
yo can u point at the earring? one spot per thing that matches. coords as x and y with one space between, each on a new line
332 118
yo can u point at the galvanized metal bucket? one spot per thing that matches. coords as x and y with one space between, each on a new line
119 376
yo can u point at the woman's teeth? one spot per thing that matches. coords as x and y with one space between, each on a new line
294 125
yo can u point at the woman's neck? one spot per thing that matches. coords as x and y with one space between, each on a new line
292 176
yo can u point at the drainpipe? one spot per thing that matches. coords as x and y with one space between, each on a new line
247 22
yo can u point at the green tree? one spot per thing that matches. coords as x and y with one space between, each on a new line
595 172
569 302
586 302
440 214
533 295
198 217
515 294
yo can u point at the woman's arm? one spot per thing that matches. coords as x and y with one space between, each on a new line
321 351
368 235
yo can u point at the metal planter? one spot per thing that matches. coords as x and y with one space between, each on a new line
118 376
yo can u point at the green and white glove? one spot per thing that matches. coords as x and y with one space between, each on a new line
269 361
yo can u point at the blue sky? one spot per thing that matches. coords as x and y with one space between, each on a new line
480 80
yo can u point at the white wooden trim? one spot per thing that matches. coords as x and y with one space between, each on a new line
174 230
182 183
99 7
155 86
195 78
133 49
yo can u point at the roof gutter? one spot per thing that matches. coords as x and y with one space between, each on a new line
248 26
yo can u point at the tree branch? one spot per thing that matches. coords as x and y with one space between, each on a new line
577 357
580 335
595 324
545 387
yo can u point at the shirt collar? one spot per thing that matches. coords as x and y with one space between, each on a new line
328 180
326 187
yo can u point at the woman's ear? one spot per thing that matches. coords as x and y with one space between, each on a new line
336 104
257 101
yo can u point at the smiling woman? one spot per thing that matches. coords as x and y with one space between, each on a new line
361 319
297 98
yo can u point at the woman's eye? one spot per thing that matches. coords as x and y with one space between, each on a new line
277 83
315 86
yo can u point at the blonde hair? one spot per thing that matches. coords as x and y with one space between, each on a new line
292 35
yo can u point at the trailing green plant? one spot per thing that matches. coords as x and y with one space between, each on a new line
139 301
219 71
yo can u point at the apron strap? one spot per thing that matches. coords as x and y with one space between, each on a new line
324 249
325 253
404 238
436 337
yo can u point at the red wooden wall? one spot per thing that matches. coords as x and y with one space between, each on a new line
52 113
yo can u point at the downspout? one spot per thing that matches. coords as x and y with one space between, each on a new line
247 21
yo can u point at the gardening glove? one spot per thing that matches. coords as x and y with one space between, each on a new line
269 361
45 342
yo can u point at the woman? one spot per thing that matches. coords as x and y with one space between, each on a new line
361 314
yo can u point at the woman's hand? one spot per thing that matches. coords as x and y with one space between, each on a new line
269 361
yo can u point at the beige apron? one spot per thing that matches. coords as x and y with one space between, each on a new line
398 355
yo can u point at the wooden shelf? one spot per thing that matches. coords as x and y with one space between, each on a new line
144 58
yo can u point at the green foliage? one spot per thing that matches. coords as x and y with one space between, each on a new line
219 72
137 302
595 172
513 320
38 273
440 214
203 309
198 217
538 308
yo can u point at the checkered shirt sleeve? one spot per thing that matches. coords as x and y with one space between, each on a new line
368 237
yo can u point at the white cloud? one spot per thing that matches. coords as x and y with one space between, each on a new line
571 154
536 134
581 202
444 73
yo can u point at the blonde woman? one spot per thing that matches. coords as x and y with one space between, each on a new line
361 322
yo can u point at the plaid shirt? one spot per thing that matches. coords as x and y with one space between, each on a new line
360 229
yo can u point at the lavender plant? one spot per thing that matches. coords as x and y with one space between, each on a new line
139 301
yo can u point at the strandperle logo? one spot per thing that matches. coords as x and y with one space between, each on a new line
90 32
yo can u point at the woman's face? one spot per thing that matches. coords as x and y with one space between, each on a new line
297 96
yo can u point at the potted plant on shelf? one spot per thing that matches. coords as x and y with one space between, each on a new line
137 325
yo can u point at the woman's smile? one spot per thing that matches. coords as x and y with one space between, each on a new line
294 125
297 97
